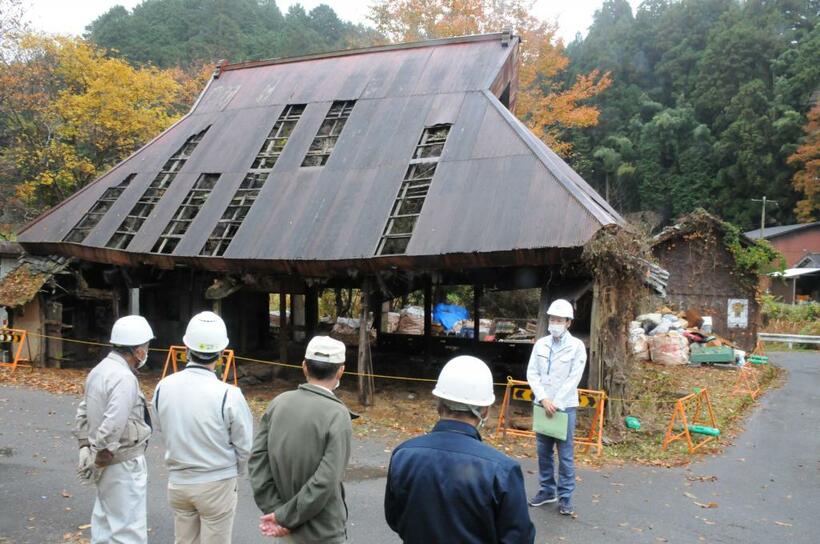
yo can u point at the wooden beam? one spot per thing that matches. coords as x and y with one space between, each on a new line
478 290
595 380
283 326
365 362
543 319
428 319
311 311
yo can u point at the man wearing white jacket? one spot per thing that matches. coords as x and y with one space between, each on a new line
554 372
113 428
208 431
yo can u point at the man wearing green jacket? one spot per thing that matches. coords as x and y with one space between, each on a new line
300 453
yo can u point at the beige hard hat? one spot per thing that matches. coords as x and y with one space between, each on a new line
326 350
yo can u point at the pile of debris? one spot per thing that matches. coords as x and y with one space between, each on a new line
679 338
346 330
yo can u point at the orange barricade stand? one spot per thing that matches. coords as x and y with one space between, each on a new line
11 337
697 404
589 398
747 382
518 390
179 354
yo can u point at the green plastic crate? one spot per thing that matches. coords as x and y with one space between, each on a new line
711 354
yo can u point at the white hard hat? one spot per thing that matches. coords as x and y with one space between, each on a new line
467 380
206 333
131 330
561 308
326 350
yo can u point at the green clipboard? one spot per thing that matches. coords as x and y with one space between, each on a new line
555 426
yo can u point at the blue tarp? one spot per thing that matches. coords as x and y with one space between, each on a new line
447 315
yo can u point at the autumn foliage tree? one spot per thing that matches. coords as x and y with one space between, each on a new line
68 113
544 103
806 181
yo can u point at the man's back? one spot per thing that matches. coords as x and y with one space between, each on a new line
206 426
447 486
298 461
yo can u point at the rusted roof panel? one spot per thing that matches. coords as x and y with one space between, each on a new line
497 189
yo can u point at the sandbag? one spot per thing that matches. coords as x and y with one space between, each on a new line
393 321
411 320
671 348
638 344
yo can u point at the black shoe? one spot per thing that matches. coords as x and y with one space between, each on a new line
542 498
566 510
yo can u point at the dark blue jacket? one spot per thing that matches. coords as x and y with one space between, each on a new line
449 487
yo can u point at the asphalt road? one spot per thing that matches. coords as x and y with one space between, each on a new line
766 487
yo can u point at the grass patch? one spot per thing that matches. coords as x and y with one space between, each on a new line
659 387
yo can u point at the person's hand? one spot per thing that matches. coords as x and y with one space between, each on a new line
103 458
85 464
269 526
549 407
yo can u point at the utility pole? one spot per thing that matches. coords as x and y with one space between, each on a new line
764 201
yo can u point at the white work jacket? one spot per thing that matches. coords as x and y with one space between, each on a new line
206 425
113 414
555 369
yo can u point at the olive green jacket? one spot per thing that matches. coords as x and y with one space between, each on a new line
298 460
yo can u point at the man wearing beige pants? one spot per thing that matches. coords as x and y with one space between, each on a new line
208 431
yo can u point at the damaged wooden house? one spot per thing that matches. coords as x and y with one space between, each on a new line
389 169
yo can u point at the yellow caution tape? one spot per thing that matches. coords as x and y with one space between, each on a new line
349 373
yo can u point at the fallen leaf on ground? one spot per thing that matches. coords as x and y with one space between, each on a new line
702 478
783 524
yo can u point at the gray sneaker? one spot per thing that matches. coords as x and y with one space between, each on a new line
565 509
541 498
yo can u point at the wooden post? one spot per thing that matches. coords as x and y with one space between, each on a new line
543 319
365 362
297 316
283 326
385 320
428 320
311 310
596 366
477 291
133 300
54 330
376 304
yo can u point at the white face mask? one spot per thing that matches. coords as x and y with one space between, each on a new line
141 362
557 330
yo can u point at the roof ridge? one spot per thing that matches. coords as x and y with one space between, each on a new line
777 230
500 36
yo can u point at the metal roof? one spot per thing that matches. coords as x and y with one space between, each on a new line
497 190
774 232
811 260
795 272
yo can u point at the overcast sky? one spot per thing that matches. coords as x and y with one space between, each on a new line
71 17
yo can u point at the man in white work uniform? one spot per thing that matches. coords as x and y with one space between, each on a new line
208 431
554 372
113 427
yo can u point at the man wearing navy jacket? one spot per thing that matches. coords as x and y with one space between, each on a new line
448 486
